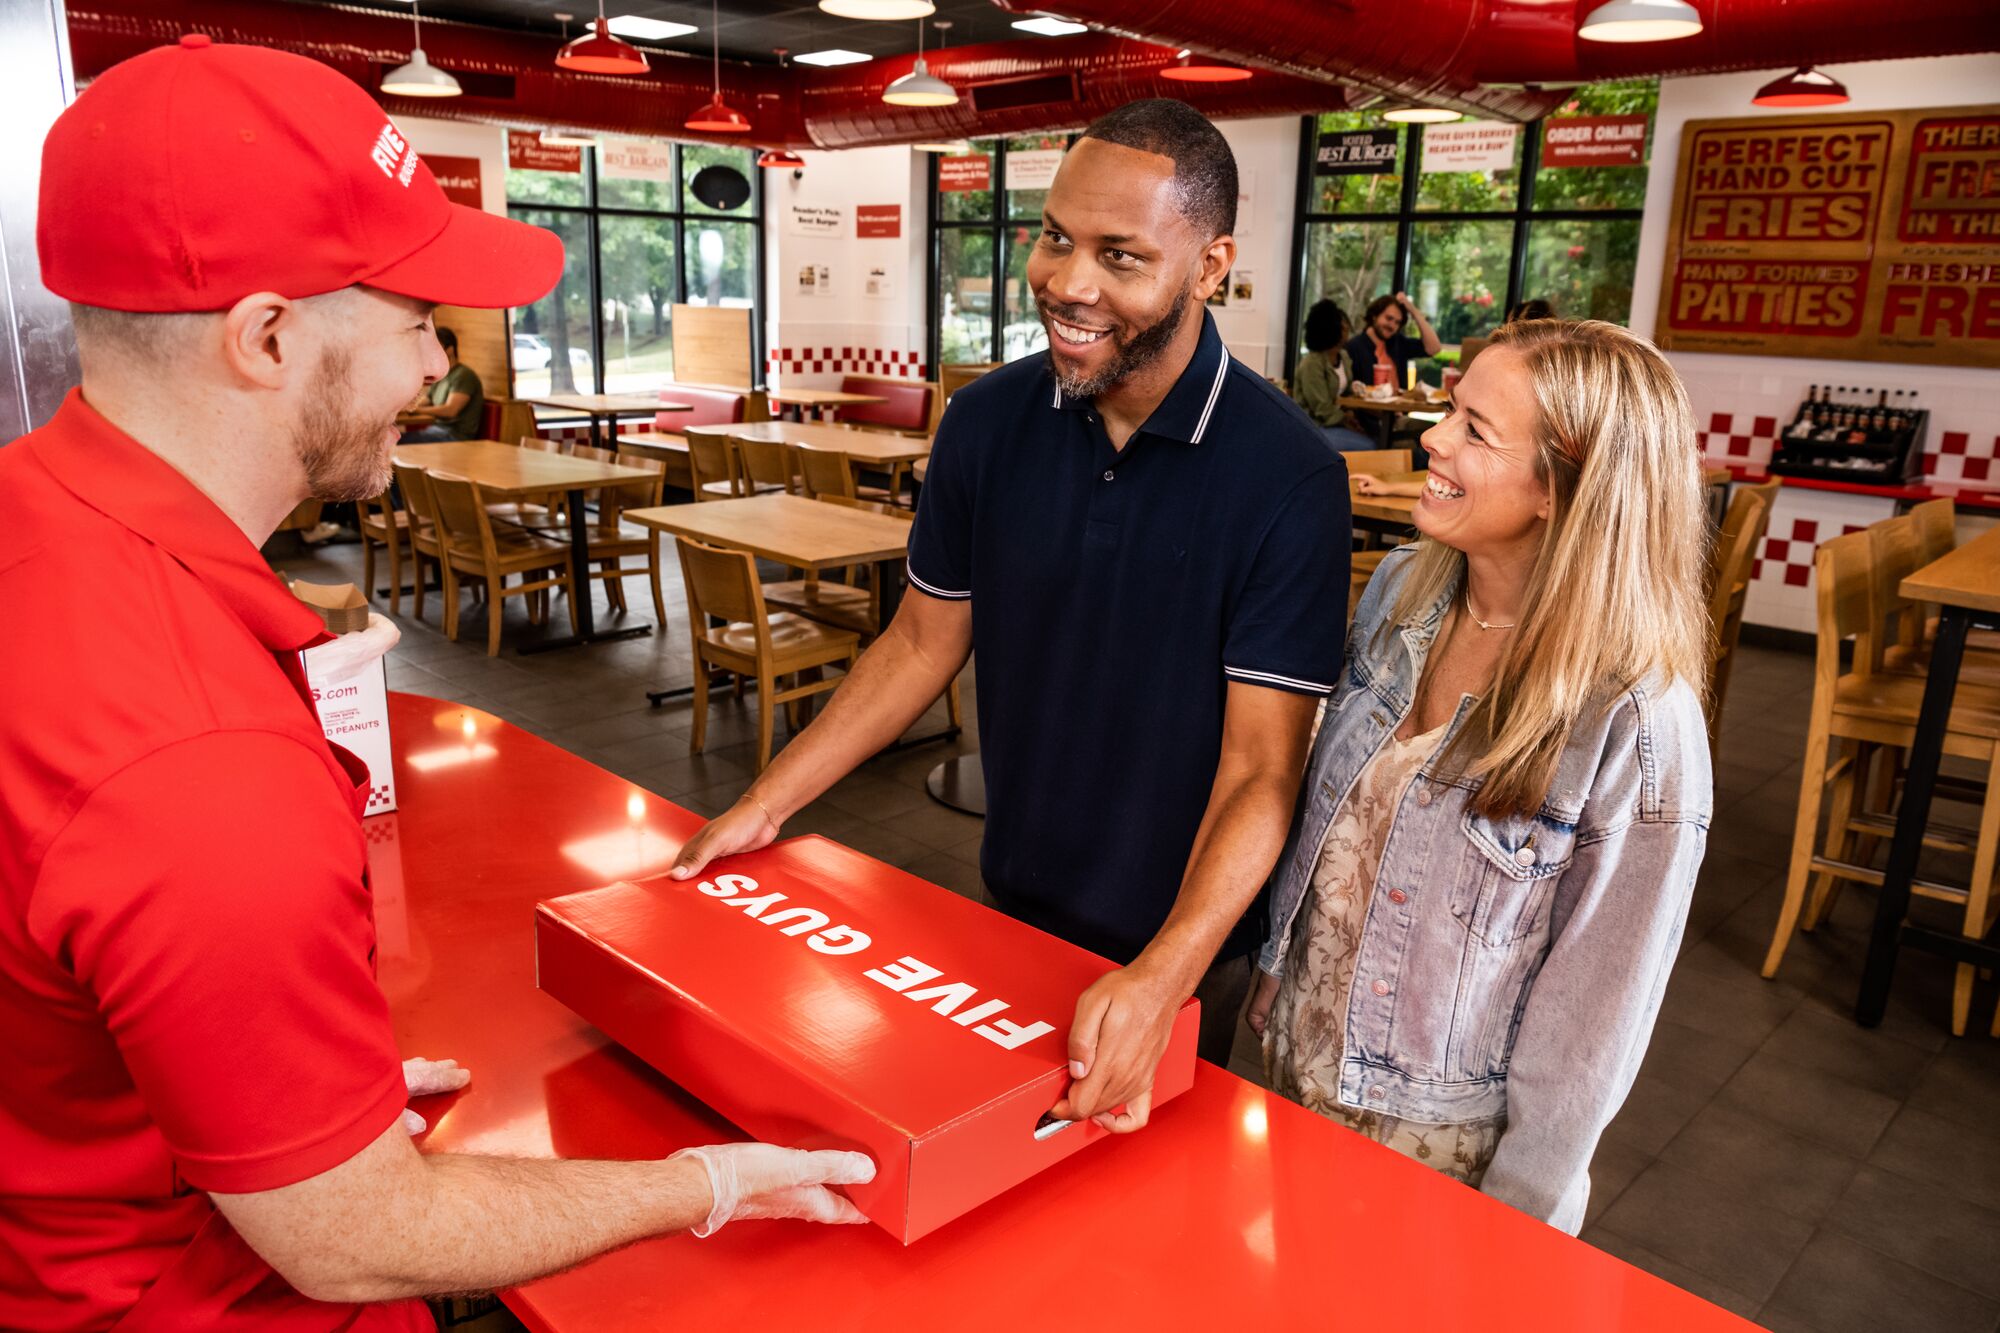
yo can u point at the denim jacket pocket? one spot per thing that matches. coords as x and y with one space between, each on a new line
1511 865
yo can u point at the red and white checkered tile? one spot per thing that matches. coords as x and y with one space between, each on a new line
1957 455
1787 556
1781 577
883 362
1747 441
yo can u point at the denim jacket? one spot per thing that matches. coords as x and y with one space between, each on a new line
1507 966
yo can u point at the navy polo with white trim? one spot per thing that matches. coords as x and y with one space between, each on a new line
1115 594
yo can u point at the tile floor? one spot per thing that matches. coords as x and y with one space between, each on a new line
1773 1157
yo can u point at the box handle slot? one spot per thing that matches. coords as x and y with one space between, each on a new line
1048 1126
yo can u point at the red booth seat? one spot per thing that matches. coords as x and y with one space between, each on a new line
712 407
904 406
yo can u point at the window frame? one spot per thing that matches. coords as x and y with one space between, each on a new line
592 212
997 224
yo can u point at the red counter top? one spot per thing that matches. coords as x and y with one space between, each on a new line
1966 495
1233 1207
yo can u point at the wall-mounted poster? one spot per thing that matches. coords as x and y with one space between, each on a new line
1469 145
1034 169
1873 236
1356 152
815 219
878 220
1594 141
527 152
458 177
815 280
1243 288
957 175
879 282
636 159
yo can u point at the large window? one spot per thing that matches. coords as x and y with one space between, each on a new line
981 236
638 243
1468 244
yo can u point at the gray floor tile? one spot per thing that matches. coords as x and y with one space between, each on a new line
1687 1279
1653 1113
1724 1235
1841 1047
1924 1227
886 844
1737 1008
1942 1153
1839 1285
1613 1167
1811 1103
1963 1083
1741 1151
1695 1061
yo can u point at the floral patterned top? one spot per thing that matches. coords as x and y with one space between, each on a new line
1306 1034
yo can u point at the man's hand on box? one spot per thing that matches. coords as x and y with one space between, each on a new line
1123 1023
762 1180
743 827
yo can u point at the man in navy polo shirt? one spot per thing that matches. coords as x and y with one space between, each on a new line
1147 545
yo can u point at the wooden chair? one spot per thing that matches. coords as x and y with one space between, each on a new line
752 641
1371 549
712 464
1856 576
610 540
414 485
1377 462
382 524
826 472
1728 589
767 467
952 378
472 544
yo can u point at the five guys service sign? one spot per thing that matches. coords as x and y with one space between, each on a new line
1869 235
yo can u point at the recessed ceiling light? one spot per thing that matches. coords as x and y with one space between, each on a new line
878 10
1049 26
649 30
837 56
1421 115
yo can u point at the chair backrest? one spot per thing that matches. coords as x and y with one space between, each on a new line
593 453
767 463
904 406
1937 528
378 517
826 473
722 583
461 513
955 377
712 458
415 485
1377 462
640 494
517 418
546 445
1730 565
707 407
1741 508
1894 555
872 506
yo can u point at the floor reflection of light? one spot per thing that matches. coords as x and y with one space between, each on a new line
449 756
470 728
1256 1124
622 853
635 807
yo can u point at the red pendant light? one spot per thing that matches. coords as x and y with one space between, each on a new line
1191 68
718 117
598 52
779 159
1804 86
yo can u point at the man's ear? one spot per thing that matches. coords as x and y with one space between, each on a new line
263 340
1216 261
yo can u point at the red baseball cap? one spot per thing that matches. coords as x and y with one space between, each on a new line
189 177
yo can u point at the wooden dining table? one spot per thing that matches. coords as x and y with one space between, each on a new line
1965 586
798 400
1382 414
603 407
879 450
506 471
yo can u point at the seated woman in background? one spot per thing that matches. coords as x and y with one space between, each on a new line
1532 308
1324 374
1508 800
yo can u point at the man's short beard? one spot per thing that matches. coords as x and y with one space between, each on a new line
339 450
1145 348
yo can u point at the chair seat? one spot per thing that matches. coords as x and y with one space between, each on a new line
830 603
1980 666
515 550
1896 699
795 641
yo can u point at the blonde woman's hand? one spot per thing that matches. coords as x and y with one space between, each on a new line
1265 991
1367 485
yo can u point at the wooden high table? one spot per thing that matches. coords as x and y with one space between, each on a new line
1382 414
602 407
798 400
1966 586
1234 1205
505 471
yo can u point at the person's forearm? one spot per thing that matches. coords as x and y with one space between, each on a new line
1432 343
889 688
1239 840
484 1223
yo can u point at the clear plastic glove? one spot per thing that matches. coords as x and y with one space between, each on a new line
424 1077
342 657
762 1180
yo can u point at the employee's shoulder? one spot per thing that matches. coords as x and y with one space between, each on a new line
1273 431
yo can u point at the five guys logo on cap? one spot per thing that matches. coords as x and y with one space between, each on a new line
392 154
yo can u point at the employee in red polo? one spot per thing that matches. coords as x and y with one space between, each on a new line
199 1122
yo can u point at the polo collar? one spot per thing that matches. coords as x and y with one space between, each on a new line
128 483
1185 413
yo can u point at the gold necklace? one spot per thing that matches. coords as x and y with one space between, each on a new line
1474 616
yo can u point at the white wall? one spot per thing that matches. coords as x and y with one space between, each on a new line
1758 393
1267 164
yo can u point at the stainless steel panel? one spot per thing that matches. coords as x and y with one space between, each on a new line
38 360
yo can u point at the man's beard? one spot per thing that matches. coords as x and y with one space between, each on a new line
340 450
1144 348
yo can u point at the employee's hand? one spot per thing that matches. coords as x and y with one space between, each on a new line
1122 1026
424 1077
743 827
1261 996
762 1180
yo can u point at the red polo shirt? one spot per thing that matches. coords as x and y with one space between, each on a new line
186 938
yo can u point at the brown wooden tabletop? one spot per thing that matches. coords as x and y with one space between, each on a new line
505 469
608 404
1400 403
878 448
790 529
1968 576
820 397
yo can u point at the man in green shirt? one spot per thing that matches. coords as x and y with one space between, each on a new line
454 403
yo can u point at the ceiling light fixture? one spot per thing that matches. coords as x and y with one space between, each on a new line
1640 21
878 11
1804 86
780 158
419 78
1187 67
1421 115
598 52
944 146
718 117
1048 25
836 56
920 87
649 30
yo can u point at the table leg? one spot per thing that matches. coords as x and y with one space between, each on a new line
959 783
1926 748
580 588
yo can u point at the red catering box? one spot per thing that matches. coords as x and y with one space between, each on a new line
821 999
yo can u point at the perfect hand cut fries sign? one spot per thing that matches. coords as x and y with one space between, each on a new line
820 999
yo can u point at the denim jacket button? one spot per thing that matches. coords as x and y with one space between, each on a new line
1423 796
1398 896
1374 1094
1380 987
1525 857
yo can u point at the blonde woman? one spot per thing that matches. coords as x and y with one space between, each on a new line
1486 880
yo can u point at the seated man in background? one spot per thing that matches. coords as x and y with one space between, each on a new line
1382 340
453 404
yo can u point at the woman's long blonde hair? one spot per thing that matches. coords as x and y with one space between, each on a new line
1616 593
